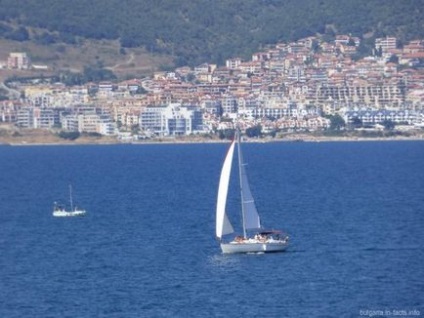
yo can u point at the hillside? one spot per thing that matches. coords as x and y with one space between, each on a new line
133 62
191 32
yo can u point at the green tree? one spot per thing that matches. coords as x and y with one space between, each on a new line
255 131
337 122
388 124
46 38
211 31
351 42
226 134
68 38
394 59
140 91
97 74
70 135
356 122
4 29
135 129
21 34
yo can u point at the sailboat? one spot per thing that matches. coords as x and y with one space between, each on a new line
60 211
262 240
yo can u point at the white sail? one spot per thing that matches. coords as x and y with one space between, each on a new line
251 216
250 213
223 225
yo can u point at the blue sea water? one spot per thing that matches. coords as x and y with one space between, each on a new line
354 212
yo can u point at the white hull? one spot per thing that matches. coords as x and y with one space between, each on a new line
253 247
67 214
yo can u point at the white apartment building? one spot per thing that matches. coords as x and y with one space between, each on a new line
385 44
35 117
173 120
233 64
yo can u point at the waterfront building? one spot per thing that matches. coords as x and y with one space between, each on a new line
106 126
173 119
152 119
69 121
44 117
9 110
36 117
25 117
373 117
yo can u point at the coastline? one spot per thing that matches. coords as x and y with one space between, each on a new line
13 136
294 138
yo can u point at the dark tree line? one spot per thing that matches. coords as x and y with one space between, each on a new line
205 30
90 74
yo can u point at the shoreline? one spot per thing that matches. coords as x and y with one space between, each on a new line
175 141
11 135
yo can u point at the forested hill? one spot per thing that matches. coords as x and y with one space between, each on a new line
207 30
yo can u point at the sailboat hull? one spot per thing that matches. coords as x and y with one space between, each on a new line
253 247
62 213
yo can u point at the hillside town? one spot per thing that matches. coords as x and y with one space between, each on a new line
288 87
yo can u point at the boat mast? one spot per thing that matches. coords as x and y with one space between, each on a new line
240 163
70 197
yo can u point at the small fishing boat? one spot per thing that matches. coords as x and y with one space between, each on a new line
60 211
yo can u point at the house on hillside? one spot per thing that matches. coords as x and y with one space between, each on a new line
19 61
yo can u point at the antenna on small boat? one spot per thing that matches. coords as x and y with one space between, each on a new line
70 197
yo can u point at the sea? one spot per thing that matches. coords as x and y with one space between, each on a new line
354 212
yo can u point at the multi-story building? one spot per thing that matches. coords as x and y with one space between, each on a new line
153 119
69 122
44 118
211 106
88 123
383 95
9 111
173 119
372 117
35 117
106 126
25 117
204 68
385 44
18 60
233 64
229 104
96 123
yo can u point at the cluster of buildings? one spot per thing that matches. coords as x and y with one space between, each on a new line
289 86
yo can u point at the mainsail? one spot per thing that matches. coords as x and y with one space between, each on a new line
223 225
250 213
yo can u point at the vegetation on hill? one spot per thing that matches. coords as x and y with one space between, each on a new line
206 30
